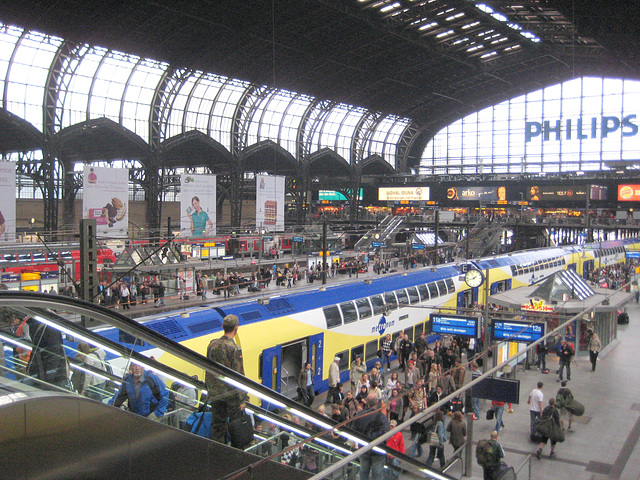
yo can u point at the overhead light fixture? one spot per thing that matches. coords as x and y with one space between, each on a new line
368 281
263 301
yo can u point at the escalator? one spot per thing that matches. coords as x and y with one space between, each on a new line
49 431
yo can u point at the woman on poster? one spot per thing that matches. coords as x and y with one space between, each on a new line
201 224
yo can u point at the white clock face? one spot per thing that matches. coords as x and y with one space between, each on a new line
473 278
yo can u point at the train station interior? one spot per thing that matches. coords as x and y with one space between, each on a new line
256 151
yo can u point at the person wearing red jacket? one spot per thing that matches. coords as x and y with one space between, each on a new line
396 442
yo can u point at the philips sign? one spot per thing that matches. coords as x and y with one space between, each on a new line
580 129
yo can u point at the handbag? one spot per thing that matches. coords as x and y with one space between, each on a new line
434 440
490 414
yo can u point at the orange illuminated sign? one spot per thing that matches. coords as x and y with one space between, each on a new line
628 193
538 306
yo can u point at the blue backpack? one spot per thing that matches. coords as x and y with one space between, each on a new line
200 423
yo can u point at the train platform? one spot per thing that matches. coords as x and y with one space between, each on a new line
175 303
604 444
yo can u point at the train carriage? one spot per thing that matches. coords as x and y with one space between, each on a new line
279 333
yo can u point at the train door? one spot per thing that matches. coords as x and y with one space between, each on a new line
316 355
271 363
293 357
587 268
466 298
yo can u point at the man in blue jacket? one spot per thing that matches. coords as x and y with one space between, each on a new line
146 394
372 424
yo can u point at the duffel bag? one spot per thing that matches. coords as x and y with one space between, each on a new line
574 407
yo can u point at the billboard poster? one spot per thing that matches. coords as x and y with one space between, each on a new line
197 205
558 192
484 194
409 194
106 199
270 203
628 193
8 205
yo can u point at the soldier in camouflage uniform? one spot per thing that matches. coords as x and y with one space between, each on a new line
225 400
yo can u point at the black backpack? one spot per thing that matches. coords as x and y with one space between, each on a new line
241 431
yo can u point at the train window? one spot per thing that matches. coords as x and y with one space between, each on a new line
260 366
332 316
66 255
424 292
364 307
450 285
418 330
402 297
427 328
24 257
442 287
413 295
53 256
433 290
9 257
409 331
349 312
371 350
390 300
355 351
343 364
378 304
39 257
274 372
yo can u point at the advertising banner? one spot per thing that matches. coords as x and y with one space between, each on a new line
197 205
270 203
628 193
416 194
484 194
558 192
106 199
8 205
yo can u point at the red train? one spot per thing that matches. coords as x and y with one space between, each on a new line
33 262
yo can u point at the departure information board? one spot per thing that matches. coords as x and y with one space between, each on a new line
454 325
517 331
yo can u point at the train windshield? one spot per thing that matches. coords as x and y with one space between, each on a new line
390 300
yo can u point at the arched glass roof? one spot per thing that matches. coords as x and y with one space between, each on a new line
578 125
156 102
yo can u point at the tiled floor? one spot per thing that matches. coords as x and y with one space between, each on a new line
605 443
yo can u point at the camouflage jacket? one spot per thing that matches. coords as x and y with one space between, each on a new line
225 352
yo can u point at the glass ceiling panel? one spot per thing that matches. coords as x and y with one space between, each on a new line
178 107
139 96
385 138
75 99
199 107
26 77
224 111
109 87
338 130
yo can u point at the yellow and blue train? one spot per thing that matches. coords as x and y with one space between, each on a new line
278 334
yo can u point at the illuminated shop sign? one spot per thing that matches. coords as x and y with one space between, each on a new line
332 195
580 128
406 193
629 193
491 194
